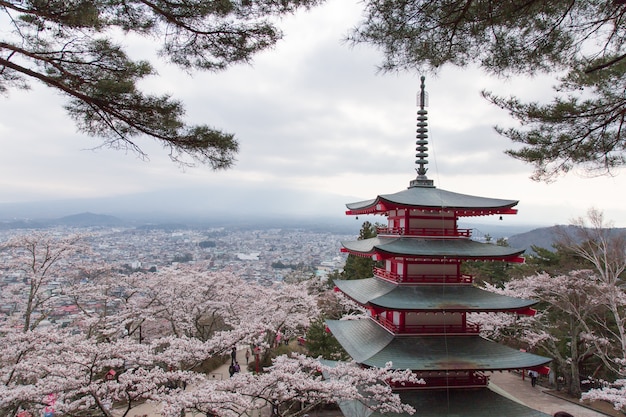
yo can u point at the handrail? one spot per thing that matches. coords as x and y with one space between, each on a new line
473 379
469 328
424 231
423 278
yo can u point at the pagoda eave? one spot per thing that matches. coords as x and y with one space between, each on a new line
452 309
432 198
385 247
372 345
468 402
382 296
458 212
380 255
476 213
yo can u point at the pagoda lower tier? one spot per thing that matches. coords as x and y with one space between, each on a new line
470 402
372 345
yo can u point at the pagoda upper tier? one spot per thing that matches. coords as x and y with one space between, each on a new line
431 199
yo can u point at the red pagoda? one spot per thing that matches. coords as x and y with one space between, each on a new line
418 301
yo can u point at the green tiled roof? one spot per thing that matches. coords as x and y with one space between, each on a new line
431 197
476 402
385 294
440 248
370 344
457 402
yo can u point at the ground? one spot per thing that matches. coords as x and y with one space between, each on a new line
599 406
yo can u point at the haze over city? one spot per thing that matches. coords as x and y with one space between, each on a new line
318 127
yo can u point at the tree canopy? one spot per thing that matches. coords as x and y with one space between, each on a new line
358 267
580 41
74 47
581 319
79 338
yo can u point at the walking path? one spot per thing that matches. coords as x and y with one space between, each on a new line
149 409
511 385
505 383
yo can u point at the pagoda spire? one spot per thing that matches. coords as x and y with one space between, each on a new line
422 141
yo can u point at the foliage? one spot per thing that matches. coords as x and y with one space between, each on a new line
494 273
568 302
293 387
358 267
155 331
322 343
332 277
187 257
36 261
584 40
73 47
556 261
605 249
207 244
582 315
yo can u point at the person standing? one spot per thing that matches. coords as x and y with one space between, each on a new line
233 355
533 377
247 355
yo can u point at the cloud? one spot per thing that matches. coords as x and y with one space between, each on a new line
313 116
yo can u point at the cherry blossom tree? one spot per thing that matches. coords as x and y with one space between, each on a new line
141 337
583 312
561 328
597 242
604 247
36 261
293 386
75 368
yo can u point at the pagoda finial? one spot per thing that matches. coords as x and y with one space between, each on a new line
421 142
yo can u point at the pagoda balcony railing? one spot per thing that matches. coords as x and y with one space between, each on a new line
423 278
424 231
434 329
449 380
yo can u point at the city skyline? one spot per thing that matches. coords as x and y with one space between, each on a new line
317 126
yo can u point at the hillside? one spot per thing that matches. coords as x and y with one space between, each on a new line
75 220
89 220
543 237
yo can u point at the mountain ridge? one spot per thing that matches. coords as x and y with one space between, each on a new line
517 236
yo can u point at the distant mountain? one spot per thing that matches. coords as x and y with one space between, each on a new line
23 224
341 225
543 237
190 205
89 220
75 220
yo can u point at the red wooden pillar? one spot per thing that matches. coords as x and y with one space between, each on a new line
402 323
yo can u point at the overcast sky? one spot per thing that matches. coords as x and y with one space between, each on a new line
310 115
